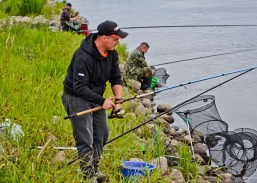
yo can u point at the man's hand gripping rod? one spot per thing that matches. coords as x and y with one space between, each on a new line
100 107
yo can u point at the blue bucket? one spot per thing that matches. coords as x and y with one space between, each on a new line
134 168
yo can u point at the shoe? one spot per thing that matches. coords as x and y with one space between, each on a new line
159 85
148 90
100 176
92 180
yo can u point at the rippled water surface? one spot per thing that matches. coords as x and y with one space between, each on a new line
236 101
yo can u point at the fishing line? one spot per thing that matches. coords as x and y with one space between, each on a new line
208 56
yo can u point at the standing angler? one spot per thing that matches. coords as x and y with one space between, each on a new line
92 65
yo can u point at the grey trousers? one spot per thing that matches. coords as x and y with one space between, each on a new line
90 131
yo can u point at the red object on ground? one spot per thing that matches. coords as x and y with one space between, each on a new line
84 29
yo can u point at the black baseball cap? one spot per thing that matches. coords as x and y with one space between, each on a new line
110 28
69 4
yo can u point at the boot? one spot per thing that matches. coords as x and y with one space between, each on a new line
99 175
92 180
87 170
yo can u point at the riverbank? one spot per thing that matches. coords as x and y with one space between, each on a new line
33 64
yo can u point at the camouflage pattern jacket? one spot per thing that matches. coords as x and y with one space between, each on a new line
136 67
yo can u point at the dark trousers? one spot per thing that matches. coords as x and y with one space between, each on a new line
90 131
65 28
146 84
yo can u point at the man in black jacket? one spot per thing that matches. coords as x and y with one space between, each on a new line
67 17
92 65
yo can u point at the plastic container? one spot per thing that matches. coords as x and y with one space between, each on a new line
134 168
154 82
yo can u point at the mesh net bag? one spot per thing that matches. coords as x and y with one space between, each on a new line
236 150
247 155
203 115
161 74
224 148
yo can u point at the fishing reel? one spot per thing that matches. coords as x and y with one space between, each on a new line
116 114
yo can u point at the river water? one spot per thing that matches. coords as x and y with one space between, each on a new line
236 101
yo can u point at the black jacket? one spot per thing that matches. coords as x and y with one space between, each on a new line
89 71
65 16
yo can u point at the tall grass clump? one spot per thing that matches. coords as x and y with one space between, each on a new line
50 11
23 7
2 13
58 7
189 169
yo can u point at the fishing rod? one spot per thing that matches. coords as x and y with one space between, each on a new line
172 109
56 147
179 105
207 56
158 91
181 26
190 26
61 148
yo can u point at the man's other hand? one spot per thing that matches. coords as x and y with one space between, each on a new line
108 103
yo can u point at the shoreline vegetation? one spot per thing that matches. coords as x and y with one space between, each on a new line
33 63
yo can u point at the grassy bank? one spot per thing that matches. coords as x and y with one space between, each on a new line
33 63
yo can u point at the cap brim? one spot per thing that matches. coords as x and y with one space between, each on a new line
120 34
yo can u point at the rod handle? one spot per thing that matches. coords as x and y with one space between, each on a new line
83 112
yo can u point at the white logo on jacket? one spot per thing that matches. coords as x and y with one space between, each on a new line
81 74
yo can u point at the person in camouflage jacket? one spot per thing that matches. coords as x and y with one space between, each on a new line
136 67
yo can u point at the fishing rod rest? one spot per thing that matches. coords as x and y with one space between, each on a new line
187 112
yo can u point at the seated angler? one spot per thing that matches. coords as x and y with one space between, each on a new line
67 17
137 69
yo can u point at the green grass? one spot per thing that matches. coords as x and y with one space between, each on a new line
23 7
2 14
29 8
123 54
58 7
188 168
49 11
